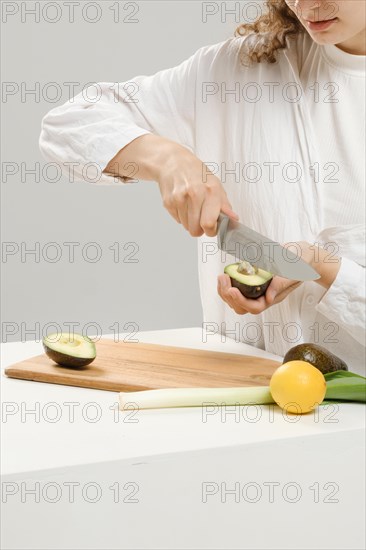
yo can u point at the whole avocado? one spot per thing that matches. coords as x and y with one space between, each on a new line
319 357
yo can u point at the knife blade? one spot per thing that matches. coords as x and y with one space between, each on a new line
246 244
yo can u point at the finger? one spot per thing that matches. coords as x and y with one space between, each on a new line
222 293
250 305
194 216
170 207
221 289
183 215
211 209
210 212
235 296
282 295
224 288
227 209
174 213
279 289
234 306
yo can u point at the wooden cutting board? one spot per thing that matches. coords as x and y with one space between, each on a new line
122 366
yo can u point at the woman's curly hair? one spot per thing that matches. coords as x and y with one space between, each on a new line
273 28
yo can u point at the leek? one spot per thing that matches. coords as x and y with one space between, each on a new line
194 397
341 386
345 386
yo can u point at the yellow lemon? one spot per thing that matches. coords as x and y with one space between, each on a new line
297 387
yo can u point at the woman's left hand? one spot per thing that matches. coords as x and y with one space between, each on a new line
327 266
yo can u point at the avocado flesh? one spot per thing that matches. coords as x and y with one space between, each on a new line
69 350
251 286
319 357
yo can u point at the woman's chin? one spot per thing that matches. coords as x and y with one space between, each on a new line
323 42
323 38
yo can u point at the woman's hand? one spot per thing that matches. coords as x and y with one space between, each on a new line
326 265
276 292
192 194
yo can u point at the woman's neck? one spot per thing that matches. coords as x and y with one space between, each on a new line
355 45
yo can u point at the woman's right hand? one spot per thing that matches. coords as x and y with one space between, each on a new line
192 194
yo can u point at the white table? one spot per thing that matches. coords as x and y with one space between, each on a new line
79 474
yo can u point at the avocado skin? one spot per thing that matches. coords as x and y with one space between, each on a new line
249 291
67 360
319 357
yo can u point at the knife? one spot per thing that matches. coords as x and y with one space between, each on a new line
246 244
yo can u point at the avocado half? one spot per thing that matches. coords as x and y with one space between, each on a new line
69 350
319 357
250 285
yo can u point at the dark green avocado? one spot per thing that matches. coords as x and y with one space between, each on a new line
319 357
69 350
251 281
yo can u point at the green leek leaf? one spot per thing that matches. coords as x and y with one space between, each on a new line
345 386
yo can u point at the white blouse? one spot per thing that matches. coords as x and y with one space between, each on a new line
287 140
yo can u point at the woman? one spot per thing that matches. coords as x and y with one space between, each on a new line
267 127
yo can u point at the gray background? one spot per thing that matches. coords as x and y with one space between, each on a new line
161 290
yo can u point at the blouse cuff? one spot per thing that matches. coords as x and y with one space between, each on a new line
107 148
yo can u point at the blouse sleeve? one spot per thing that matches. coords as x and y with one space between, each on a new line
85 134
345 301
